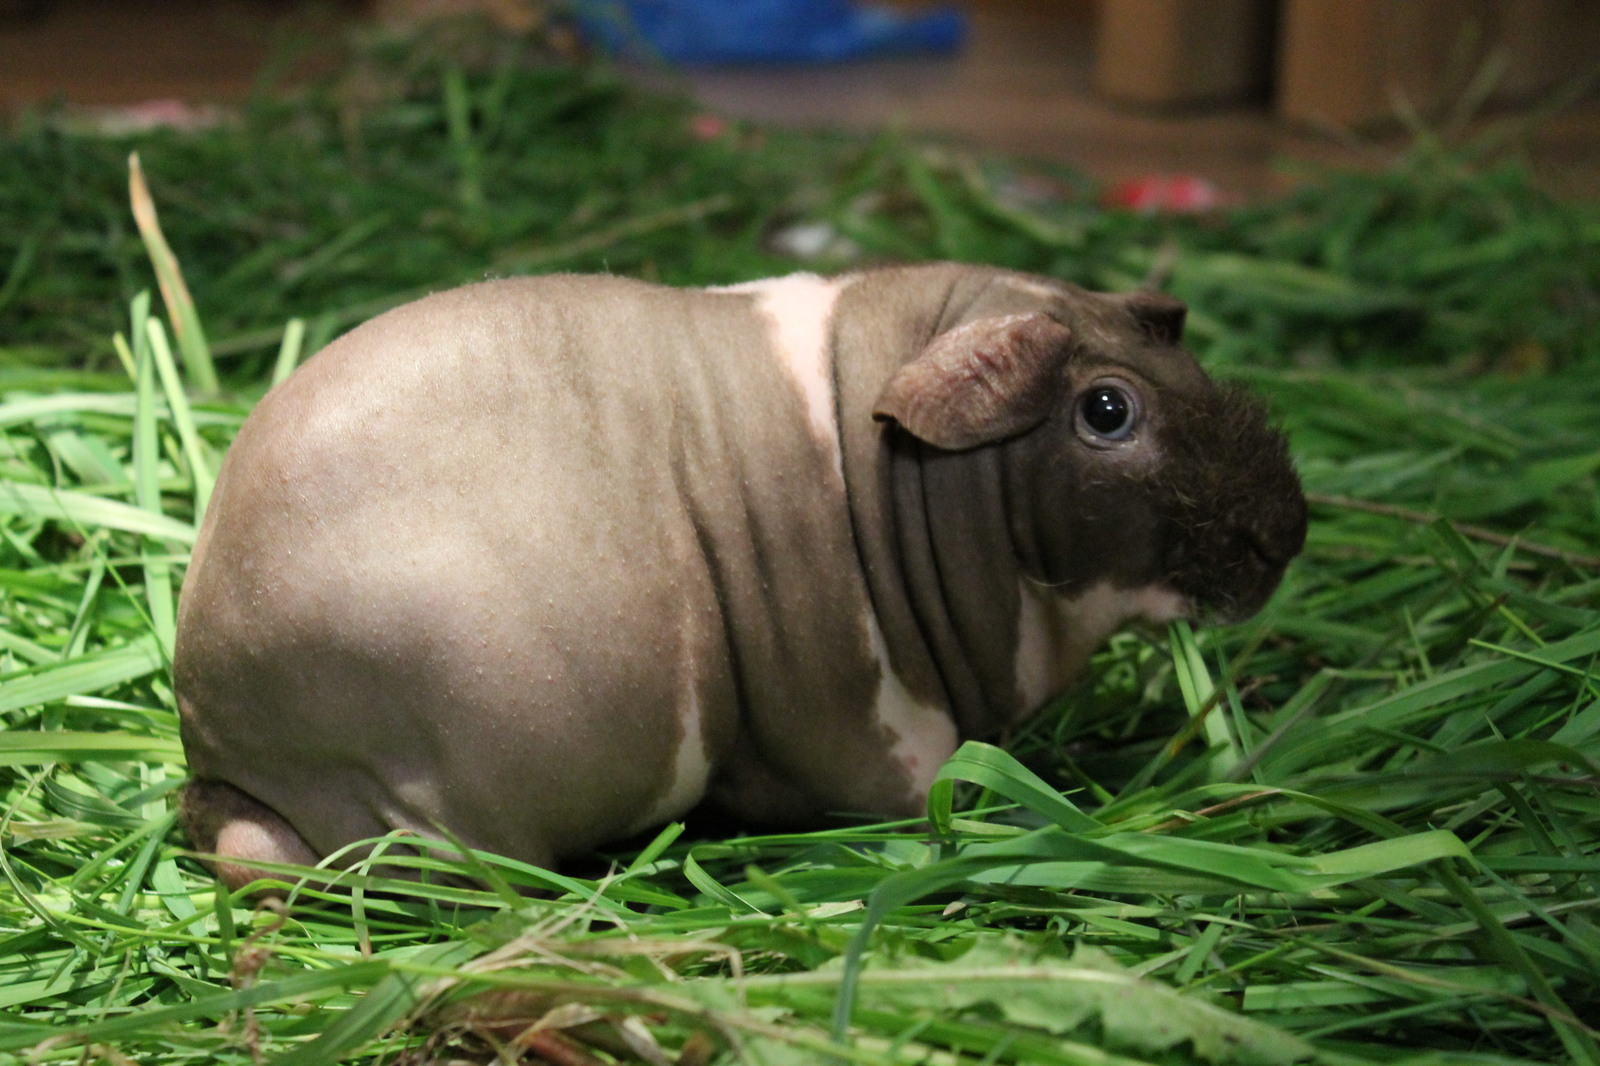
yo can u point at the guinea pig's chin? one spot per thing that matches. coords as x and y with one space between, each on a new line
1158 605
1231 608
1150 607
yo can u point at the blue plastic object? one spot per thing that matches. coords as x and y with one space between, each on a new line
693 32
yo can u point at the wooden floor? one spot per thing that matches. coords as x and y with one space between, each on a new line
1021 85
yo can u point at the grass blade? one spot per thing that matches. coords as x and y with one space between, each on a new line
174 291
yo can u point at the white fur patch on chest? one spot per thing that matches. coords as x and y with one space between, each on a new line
799 310
1056 634
925 735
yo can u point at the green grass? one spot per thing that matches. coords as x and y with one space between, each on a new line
1363 827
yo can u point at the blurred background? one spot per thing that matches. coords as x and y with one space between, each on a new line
1233 92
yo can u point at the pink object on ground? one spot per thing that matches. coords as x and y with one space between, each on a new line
121 120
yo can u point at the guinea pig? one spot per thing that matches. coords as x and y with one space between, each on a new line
540 563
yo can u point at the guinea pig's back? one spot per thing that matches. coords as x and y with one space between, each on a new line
411 566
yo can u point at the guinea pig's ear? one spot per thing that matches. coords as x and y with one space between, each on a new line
1160 316
983 382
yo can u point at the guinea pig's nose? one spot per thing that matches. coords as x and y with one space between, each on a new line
1280 536
1262 551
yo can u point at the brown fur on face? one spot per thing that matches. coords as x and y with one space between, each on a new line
1201 496
1231 502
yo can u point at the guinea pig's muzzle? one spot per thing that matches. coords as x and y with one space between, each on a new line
1234 513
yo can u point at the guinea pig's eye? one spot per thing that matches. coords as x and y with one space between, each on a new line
1107 412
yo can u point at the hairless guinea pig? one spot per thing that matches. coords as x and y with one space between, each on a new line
543 562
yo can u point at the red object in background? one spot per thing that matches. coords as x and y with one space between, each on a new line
708 127
1179 194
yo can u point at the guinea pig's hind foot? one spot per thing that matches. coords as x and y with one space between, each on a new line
240 831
